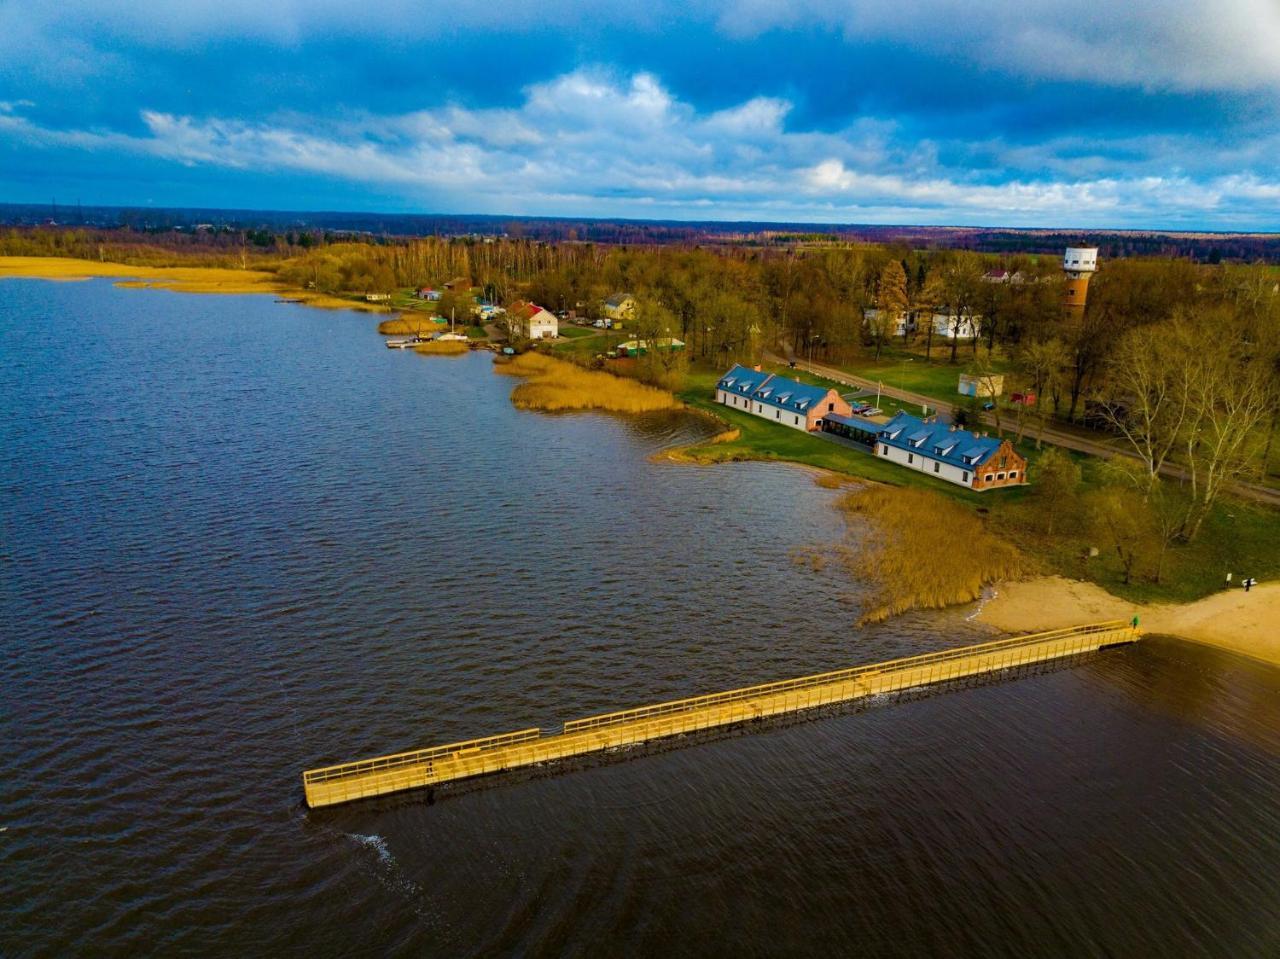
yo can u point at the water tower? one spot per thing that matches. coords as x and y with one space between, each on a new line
1079 263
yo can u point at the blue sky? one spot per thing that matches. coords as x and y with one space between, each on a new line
1142 113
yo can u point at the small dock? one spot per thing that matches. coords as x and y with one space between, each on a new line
366 778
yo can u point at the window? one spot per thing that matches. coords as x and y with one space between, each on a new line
1013 474
910 458
964 477
777 415
999 476
988 478
831 407
797 419
937 467
884 450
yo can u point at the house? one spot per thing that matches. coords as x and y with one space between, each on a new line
781 400
620 306
903 325
459 284
487 311
641 347
975 460
951 326
532 322
377 297
426 293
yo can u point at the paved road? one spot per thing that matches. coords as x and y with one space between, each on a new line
1054 435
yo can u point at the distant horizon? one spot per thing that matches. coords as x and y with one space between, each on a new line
63 207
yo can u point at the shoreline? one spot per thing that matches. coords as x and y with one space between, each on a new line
1231 620
179 279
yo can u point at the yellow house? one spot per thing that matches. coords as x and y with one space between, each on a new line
620 306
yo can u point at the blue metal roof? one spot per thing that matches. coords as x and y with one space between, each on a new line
853 422
776 391
936 440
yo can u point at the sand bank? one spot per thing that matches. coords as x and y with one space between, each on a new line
1245 623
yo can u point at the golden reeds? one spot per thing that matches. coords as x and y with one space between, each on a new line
181 279
554 384
923 551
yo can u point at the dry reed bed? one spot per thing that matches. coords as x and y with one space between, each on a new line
920 550
181 279
556 385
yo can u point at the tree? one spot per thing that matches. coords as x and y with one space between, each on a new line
1149 391
891 303
1056 485
1042 362
1120 517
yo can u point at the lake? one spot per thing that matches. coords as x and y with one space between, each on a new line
240 538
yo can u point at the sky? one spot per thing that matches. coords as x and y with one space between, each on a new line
1160 114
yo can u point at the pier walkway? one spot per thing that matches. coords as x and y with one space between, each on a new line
366 778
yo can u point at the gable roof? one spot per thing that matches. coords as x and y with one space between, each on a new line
618 299
527 311
776 391
936 440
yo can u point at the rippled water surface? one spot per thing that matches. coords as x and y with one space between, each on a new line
239 539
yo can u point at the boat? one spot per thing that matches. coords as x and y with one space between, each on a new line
407 343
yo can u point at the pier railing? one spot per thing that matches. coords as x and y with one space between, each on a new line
423 767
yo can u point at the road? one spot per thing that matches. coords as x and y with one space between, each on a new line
1051 434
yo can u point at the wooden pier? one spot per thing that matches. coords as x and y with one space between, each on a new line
366 778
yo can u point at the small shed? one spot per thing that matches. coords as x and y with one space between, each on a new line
981 384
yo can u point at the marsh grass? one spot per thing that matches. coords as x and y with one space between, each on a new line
180 279
553 385
443 348
920 550
399 326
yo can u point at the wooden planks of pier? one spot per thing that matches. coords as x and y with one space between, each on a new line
331 785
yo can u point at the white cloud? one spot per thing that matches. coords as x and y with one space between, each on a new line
587 143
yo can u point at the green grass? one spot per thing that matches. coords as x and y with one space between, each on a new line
476 332
577 332
903 369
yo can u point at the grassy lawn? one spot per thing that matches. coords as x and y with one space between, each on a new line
577 332
476 332
903 369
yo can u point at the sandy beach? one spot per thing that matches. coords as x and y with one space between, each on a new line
1244 623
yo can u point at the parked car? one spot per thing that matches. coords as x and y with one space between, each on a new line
598 324
870 411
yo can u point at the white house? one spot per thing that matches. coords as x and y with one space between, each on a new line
533 322
935 448
778 399
949 326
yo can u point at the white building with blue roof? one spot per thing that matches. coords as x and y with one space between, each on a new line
934 447
779 399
